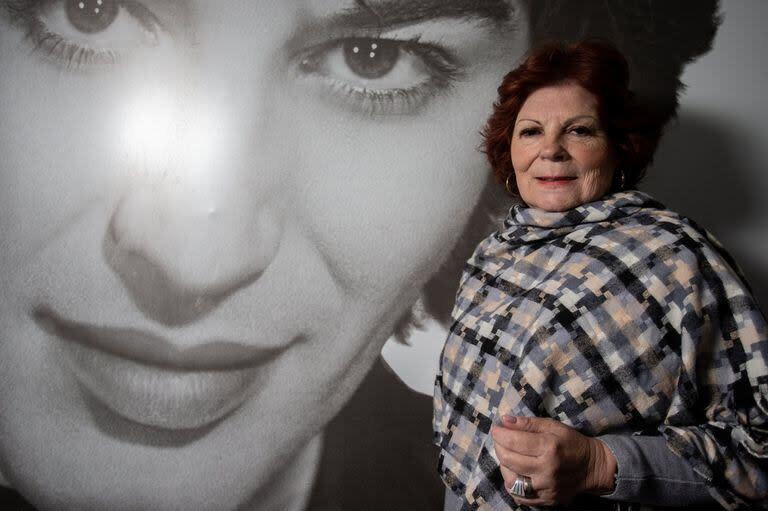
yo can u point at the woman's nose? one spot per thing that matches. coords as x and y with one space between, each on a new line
552 149
179 253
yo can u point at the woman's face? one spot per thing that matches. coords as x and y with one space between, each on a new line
211 216
559 151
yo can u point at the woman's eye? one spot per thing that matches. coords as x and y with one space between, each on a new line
581 130
378 75
528 132
82 34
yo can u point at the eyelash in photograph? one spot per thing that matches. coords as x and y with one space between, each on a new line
57 49
438 68
438 63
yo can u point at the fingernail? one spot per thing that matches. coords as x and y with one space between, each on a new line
510 418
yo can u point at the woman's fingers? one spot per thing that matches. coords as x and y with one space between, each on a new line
512 463
533 424
541 489
509 479
517 462
554 455
523 442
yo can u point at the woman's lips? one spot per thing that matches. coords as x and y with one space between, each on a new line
146 379
555 181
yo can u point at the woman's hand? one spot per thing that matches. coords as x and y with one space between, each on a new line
560 461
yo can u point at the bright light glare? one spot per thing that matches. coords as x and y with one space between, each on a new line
150 126
165 136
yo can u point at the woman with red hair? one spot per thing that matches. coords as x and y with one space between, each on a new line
603 348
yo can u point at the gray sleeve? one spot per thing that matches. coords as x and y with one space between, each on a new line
649 473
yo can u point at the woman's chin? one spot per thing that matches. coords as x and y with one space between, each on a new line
555 205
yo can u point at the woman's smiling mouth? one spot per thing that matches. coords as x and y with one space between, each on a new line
146 379
555 181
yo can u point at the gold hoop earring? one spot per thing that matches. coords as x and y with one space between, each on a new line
508 188
622 179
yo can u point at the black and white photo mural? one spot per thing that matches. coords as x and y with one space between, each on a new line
214 215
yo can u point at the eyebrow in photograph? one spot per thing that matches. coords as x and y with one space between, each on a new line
369 14
14 8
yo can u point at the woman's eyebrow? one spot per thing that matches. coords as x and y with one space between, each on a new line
390 13
565 122
581 118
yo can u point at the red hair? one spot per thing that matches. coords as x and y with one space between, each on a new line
599 68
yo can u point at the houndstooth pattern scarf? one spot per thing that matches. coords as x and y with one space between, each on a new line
618 316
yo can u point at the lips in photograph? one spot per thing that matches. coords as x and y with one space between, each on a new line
147 379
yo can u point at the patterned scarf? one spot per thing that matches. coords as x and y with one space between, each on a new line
618 316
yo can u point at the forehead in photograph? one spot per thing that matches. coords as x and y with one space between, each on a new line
393 13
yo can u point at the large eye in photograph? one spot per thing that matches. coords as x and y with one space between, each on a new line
370 58
91 16
83 34
376 75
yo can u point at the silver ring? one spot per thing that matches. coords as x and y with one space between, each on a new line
522 487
